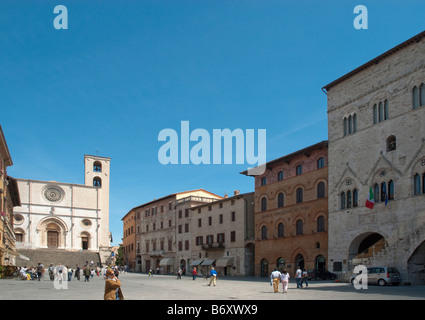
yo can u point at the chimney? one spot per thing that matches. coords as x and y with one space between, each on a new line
225 196
236 193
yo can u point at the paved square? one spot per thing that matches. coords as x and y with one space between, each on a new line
137 286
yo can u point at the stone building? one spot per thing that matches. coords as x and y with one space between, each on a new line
163 231
291 212
376 116
9 198
65 216
223 236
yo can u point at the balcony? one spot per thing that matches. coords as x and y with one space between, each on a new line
213 246
156 253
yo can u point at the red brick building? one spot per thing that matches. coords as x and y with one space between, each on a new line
291 212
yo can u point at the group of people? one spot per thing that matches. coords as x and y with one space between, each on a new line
277 277
62 272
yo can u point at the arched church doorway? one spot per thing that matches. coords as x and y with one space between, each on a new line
299 261
53 231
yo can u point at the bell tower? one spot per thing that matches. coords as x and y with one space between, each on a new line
96 174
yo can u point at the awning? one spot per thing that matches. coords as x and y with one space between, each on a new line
224 262
196 262
207 262
166 262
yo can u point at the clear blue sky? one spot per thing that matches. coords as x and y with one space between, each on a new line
125 70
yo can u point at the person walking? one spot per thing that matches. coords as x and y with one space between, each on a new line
77 272
179 273
87 273
40 269
213 277
304 278
194 273
275 279
52 272
284 278
298 277
70 272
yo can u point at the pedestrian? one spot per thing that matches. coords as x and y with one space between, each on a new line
51 272
92 273
304 278
284 278
150 272
70 272
77 272
86 272
112 287
213 275
179 273
298 276
59 272
194 273
40 269
275 279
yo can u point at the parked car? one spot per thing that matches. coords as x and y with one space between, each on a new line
381 276
320 274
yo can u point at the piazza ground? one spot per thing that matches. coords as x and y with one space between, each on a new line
136 286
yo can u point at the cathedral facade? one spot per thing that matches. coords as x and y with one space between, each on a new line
66 216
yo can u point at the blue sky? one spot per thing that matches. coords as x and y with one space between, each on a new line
125 70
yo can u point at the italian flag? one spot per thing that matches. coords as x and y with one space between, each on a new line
370 202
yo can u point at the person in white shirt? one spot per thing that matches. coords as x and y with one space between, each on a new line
298 277
284 278
275 278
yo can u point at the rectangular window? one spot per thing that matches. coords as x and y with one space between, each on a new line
220 238
220 218
233 215
233 236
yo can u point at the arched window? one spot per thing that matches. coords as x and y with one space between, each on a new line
417 184
415 97
386 110
350 124
299 195
342 200
280 230
390 190
375 114
321 190
355 198
391 143
263 233
263 181
280 176
320 163
263 204
97 182
380 112
321 224
376 192
355 122
97 166
280 200
422 94
345 127
299 170
299 227
281 264
349 199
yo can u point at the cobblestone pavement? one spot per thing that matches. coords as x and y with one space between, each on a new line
164 287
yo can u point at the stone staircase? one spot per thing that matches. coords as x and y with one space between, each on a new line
56 256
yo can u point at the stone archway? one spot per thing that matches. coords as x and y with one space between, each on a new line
53 233
416 265
365 246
